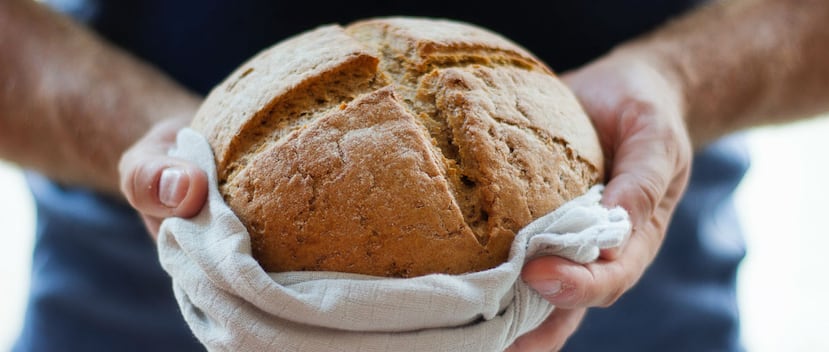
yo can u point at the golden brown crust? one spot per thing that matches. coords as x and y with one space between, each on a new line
404 147
234 112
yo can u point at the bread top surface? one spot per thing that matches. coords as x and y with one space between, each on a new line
395 147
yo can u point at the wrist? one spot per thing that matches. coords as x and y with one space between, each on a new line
665 64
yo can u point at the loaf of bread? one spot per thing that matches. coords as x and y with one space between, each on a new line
395 147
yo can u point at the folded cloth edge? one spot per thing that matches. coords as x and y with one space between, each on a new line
220 288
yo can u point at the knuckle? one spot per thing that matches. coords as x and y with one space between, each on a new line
636 116
649 194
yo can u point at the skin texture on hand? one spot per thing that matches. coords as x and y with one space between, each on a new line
745 63
70 103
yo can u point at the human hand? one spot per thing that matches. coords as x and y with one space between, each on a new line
157 185
637 110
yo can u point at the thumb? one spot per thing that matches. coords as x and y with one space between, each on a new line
161 186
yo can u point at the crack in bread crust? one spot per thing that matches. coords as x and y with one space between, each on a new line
415 72
488 125
300 106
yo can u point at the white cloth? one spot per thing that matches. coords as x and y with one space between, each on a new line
232 304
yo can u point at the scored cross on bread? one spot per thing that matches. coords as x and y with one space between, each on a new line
395 147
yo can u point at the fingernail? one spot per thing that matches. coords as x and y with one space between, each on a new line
548 288
172 187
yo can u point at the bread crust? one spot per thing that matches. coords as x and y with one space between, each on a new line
395 147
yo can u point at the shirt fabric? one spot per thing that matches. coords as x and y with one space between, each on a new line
96 282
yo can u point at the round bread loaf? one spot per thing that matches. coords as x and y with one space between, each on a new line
395 147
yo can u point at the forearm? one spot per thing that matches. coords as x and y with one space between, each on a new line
743 63
70 103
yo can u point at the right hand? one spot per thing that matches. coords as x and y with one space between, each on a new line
157 185
637 111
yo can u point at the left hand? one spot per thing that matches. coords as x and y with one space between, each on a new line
637 109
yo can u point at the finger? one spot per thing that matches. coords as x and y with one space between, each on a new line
648 157
567 284
551 334
161 186
571 285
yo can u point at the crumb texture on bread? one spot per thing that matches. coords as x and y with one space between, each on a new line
395 147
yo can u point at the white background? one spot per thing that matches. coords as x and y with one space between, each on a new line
782 203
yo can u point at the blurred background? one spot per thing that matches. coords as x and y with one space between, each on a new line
782 204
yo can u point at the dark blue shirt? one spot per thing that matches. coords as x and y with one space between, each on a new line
96 281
